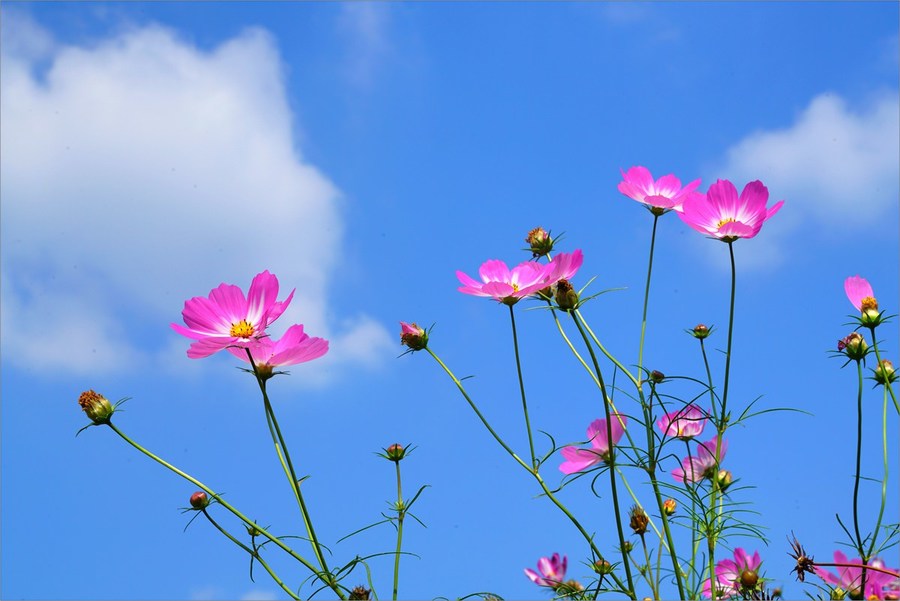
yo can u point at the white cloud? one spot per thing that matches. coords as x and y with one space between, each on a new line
835 166
256 595
364 25
141 171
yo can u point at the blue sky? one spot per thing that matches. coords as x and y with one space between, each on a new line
363 153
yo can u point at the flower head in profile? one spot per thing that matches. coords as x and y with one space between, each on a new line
503 284
412 336
659 196
849 577
702 465
227 318
581 459
735 575
551 571
861 296
564 266
684 423
727 217
294 347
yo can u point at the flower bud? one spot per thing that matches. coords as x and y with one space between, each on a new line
885 373
657 377
627 547
253 531
395 452
602 567
639 520
539 242
360 592
869 315
700 331
838 593
568 588
199 500
749 578
854 346
566 297
96 407
724 479
669 506
413 336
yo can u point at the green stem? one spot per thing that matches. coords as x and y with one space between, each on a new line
724 416
640 364
606 353
884 449
611 460
512 318
859 433
401 513
888 385
229 507
253 553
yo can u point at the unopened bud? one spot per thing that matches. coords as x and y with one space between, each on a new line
199 500
602 567
253 531
627 547
885 373
96 407
669 506
749 578
639 520
413 336
539 242
566 297
657 376
838 593
854 346
360 592
869 315
700 331
395 452
724 479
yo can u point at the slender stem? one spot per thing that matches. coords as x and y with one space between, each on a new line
640 363
724 416
649 572
712 394
512 318
606 353
859 433
611 460
884 449
277 541
253 553
887 385
401 513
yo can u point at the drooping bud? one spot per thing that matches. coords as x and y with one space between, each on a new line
360 592
199 500
669 506
96 407
566 297
853 346
885 373
724 479
639 520
413 336
395 452
539 242
700 331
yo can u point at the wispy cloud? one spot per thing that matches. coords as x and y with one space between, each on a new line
141 171
364 27
836 166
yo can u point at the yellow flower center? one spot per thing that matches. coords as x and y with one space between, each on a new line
515 287
868 303
242 329
724 221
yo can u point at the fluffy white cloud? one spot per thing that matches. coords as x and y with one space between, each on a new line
835 166
140 171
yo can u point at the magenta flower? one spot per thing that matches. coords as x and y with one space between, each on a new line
552 571
564 266
228 318
734 574
850 578
685 423
292 348
703 464
721 214
581 459
506 285
659 196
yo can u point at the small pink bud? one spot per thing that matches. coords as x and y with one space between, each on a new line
395 452
700 331
413 336
199 500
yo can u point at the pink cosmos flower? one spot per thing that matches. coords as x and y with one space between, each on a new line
860 293
292 348
721 214
228 318
506 285
581 459
850 578
729 574
663 194
552 571
700 466
564 266
685 423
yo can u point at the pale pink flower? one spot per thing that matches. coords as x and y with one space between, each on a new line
728 573
506 285
684 423
292 348
723 215
702 465
564 266
227 318
552 571
860 293
581 459
663 194
850 578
